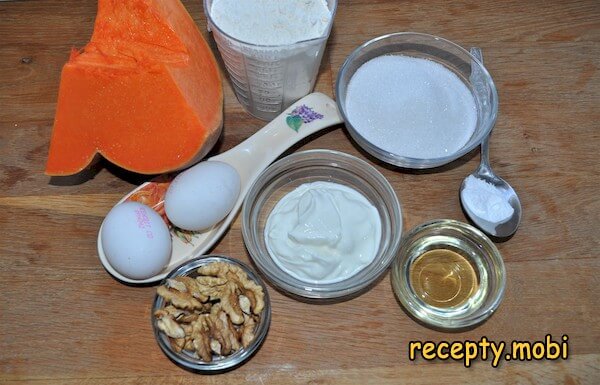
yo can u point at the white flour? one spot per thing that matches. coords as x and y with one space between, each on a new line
485 201
411 107
271 22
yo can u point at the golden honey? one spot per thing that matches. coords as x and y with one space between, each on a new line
443 278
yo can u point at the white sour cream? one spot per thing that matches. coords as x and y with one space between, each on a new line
323 232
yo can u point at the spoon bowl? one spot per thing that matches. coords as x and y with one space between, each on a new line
498 230
502 189
307 116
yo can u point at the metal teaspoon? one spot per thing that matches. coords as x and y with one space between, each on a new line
503 189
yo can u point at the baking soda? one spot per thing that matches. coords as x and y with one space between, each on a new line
272 22
485 201
411 107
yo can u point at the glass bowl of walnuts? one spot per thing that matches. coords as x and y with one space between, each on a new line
211 314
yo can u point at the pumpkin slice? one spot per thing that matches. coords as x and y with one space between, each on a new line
145 92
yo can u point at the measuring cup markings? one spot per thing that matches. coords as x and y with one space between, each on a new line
267 96
238 74
265 79
264 74
228 52
265 57
240 80
275 63
244 94
279 74
270 77
267 92
254 84
267 108
230 59
262 71
243 91
267 100
224 43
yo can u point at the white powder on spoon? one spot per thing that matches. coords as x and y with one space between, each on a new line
411 107
485 201
271 22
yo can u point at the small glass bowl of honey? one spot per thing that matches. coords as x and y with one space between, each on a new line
448 275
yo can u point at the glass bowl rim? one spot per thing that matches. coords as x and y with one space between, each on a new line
470 320
229 362
212 23
324 291
405 161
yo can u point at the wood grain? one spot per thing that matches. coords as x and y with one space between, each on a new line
66 321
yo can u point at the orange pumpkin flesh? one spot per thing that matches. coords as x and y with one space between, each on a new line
145 92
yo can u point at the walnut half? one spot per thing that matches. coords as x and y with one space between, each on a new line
215 313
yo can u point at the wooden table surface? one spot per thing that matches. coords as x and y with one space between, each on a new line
64 320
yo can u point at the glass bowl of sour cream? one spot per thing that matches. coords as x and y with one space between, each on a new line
415 100
322 224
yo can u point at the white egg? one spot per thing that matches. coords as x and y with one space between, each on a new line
202 196
136 240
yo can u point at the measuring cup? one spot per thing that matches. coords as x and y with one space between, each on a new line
267 79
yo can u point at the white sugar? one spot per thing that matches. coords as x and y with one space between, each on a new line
270 22
411 107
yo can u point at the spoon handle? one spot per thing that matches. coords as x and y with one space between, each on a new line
477 53
485 153
484 165
308 115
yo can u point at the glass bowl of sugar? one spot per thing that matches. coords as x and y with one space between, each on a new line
415 100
